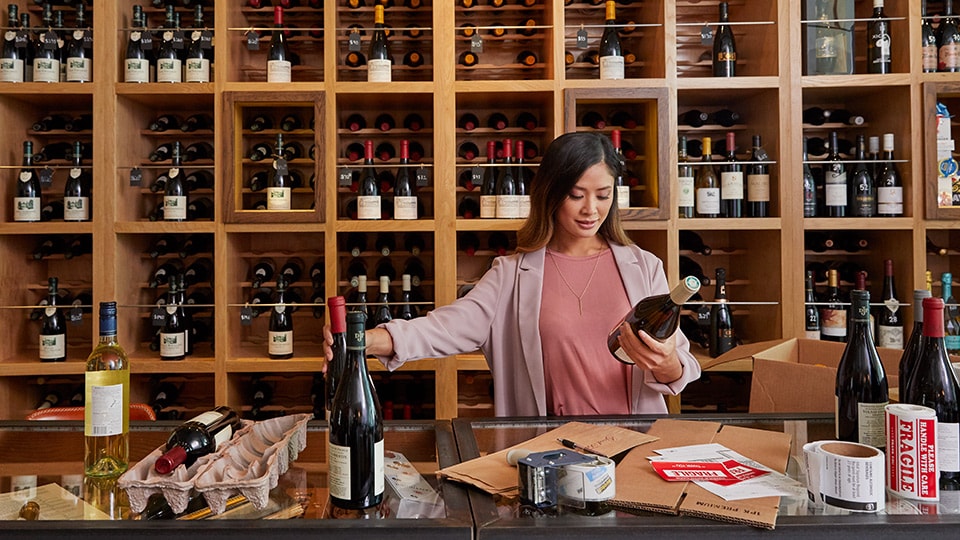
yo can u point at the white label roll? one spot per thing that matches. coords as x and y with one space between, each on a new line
845 475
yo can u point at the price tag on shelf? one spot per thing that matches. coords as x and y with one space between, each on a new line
353 41
253 41
423 177
46 177
178 40
136 177
146 40
345 178
49 40
75 314
87 38
206 40
476 176
280 165
476 44
246 316
582 38
158 317
706 35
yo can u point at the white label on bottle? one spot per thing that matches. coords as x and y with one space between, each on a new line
136 70
278 198
871 423
687 190
278 71
623 196
812 334
46 70
708 201
223 435
169 70
175 207
379 70
948 452
79 69
524 207
280 343
339 478
488 206
929 54
26 208
883 43
76 209
950 56
106 410
758 187
833 322
836 190
611 68
378 467
368 207
622 355
890 337
172 344
197 70
54 346
404 208
890 200
731 185
508 207
207 418
11 70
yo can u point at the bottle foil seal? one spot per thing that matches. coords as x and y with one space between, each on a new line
845 475
912 470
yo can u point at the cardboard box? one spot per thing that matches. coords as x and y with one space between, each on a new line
798 375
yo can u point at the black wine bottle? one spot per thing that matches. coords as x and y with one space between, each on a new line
722 335
279 185
833 317
338 363
811 312
379 61
77 52
611 52
508 202
382 313
356 475
262 272
368 199
863 189
53 327
724 46
173 333
689 240
911 351
731 181
861 388
758 181
889 321
280 336
836 185
809 186
878 41
26 203
406 310
76 190
279 65
928 41
658 316
169 65
175 190
165 272
197 437
11 58
889 184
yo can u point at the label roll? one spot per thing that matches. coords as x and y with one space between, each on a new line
845 475
912 470
588 486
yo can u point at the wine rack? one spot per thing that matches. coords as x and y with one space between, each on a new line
510 42
410 37
755 30
248 40
642 36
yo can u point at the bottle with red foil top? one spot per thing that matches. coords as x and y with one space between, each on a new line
523 175
405 188
338 327
933 384
368 201
508 202
197 437
279 67
488 191
620 183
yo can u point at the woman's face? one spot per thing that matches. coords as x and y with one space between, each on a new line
587 205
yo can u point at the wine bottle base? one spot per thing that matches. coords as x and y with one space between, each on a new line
368 508
64 359
281 356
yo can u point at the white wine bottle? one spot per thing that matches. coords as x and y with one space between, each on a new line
106 424
356 476
379 62
658 316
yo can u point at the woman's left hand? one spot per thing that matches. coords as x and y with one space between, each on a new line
661 359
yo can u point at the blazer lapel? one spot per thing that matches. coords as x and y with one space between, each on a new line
529 289
630 271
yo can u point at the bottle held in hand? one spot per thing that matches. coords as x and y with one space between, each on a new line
658 316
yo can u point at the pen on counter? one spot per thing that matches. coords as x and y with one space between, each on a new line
574 446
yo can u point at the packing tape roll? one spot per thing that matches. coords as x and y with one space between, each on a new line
846 475
912 452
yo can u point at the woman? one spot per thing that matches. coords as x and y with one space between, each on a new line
542 315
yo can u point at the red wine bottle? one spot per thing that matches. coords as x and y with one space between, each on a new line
722 337
76 190
197 437
889 321
279 66
335 367
175 190
53 327
26 203
368 200
911 351
280 336
811 313
933 384
356 475
173 344
468 208
861 388
833 318
404 189
488 190
758 181
731 181
658 316
508 202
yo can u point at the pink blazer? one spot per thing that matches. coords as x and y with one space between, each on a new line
501 316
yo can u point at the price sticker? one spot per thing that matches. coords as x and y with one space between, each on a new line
280 165
582 38
476 44
423 177
136 177
706 35
253 41
159 315
345 178
246 316
353 41
46 177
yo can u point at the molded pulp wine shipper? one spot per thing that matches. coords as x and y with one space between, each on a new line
250 464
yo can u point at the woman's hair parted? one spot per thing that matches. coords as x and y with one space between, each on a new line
563 163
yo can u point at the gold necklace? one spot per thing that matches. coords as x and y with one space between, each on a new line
579 297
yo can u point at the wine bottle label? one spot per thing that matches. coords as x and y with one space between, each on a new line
107 395
929 55
136 70
11 70
207 418
197 70
76 208
871 424
833 323
812 334
708 201
949 57
368 207
175 207
339 478
278 198
26 208
278 71
758 187
623 196
172 345
890 337
508 207
525 206
46 70
280 343
79 69
404 208
169 70
379 70
687 190
731 186
611 68
488 206
948 451
53 346
890 200
835 189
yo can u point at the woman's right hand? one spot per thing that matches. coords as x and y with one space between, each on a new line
327 346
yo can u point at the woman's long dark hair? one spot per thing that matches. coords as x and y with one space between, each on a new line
563 163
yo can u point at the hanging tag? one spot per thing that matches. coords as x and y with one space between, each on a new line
23 38
345 178
46 177
246 315
146 40
49 41
178 40
706 35
136 177
159 315
253 41
476 44
280 165
582 38
476 176
87 38
206 39
353 41
75 314
423 177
